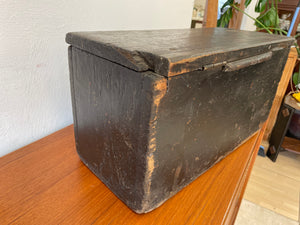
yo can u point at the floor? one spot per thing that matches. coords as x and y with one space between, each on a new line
275 186
253 214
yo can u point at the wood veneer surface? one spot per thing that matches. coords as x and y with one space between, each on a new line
46 183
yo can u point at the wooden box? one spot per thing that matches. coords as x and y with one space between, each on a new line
155 109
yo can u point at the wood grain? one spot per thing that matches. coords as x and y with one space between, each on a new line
294 30
291 144
210 14
286 75
236 20
233 210
45 183
173 52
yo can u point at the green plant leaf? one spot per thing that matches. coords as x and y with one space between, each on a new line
247 2
225 18
260 6
227 3
269 18
295 78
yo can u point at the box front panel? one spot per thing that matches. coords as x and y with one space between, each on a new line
207 114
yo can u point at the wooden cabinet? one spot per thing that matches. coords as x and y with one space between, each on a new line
46 183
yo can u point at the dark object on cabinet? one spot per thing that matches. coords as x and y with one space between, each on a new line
279 131
155 109
287 115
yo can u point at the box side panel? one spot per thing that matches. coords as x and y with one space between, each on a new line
70 61
204 116
112 110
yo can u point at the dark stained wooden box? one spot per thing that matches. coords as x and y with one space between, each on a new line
155 109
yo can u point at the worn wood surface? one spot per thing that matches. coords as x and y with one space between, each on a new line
281 89
146 137
212 109
251 61
46 183
173 52
113 108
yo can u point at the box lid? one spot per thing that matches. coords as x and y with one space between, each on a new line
174 52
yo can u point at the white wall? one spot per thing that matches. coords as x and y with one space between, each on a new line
247 23
34 77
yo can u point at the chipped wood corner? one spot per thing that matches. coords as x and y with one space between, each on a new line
189 64
134 58
184 69
160 89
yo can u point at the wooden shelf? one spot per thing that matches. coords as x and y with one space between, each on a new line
291 144
46 183
286 5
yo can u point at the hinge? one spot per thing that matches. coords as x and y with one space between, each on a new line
213 66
